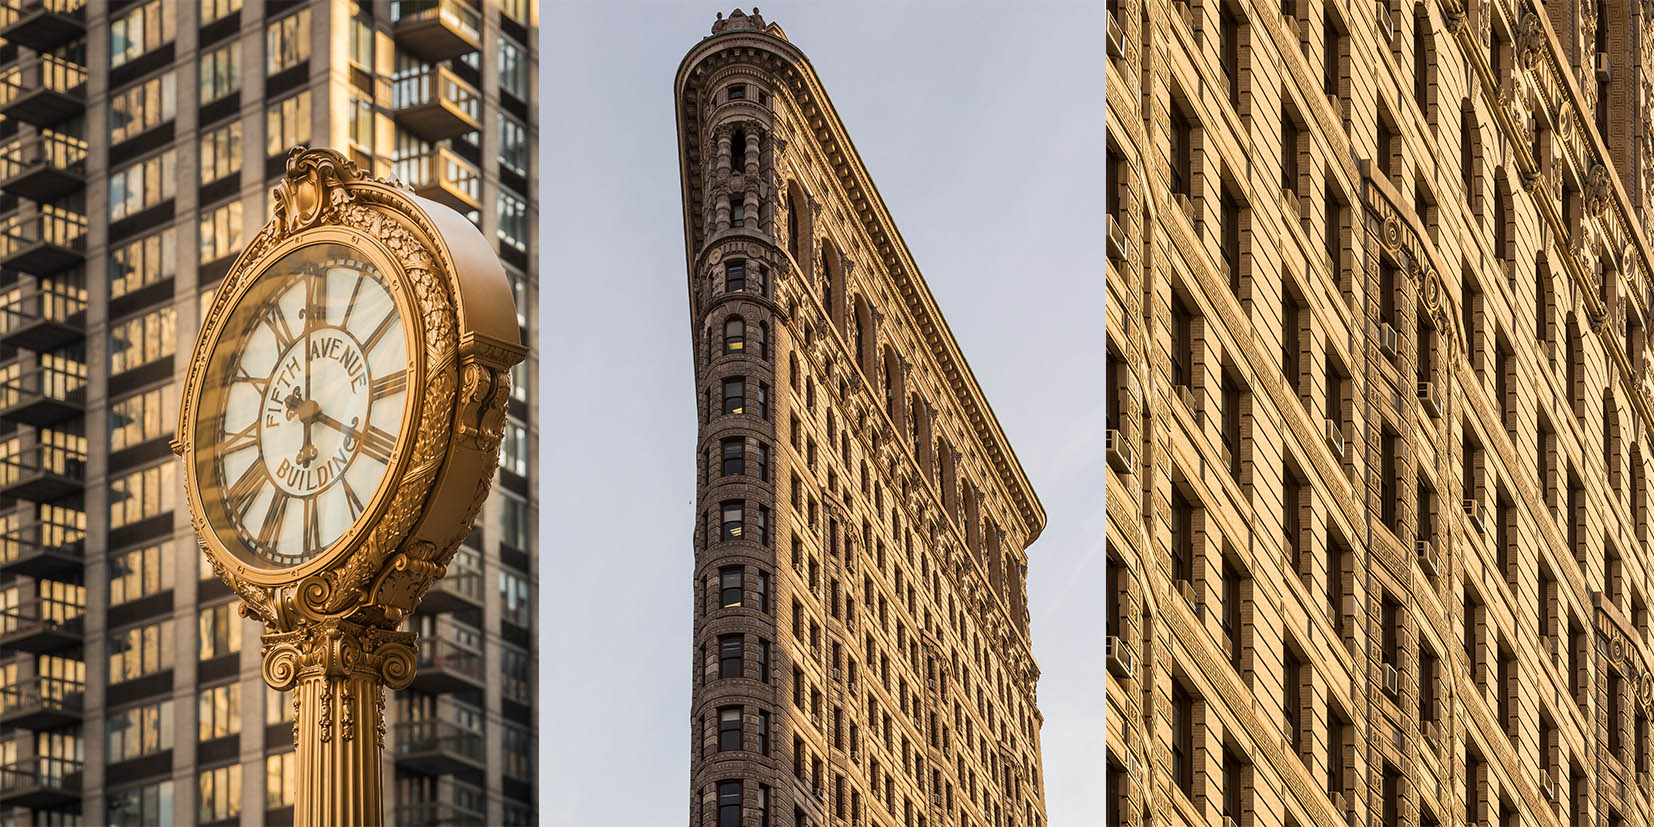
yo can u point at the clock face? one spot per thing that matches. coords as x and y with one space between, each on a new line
302 406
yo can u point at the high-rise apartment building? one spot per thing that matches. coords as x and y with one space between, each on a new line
139 141
1379 292
861 649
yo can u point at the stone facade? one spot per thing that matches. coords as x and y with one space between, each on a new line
861 630
1379 282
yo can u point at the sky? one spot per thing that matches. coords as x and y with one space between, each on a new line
982 126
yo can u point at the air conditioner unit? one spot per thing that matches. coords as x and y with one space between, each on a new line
1392 681
1429 560
1122 663
1605 69
1183 12
1335 439
1546 788
1116 236
1292 26
1120 456
1386 26
1116 36
1336 103
1473 510
1187 589
1187 395
1433 730
1432 401
1229 821
1388 341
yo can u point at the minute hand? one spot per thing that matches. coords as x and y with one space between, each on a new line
374 442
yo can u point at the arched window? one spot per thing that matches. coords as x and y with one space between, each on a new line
864 336
795 220
893 392
735 334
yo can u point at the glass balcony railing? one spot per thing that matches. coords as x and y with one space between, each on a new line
51 150
58 695
443 176
437 652
29 531
37 614
27 379
463 581
42 772
48 302
452 14
11 12
435 104
19 463
437 814
43 73
438 736
55 226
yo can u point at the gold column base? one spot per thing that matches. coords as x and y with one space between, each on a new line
339 671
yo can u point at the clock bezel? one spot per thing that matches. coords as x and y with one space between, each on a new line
198 456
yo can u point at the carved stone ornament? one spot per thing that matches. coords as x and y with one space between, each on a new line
332 604
1598 193
1530 40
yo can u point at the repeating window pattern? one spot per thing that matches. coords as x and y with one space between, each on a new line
220 231
142 417
287 123
287 42
279 780
142 805
140 30
212 10
218 712
139 730
141 494
143 339
142 185
514 146
514 449
221 152
142 261
140 650
221 72
516 522
140 572
278 706
513 221
142 106
220 794
515 603
220 631
514 69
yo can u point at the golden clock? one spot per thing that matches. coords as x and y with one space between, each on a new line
340 427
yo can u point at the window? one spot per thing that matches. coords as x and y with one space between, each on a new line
221 152
514 146
732 519
148 804
513 221
141 106
764 400
141 262
763 462
729 656
763 732
220 72
729 586
514 69
220 794
140 650
1183 740
517 748
279 779
287 123
139 186
763 525
141 494
735 395
278 706
738 92
1180 142
359 124
737 214
287 42
763 660
361 43
139 572
214 9
517 672
729 804
139 730
735 334
220 231
514 449
729 728
1229 25
218 713
735 276
140 30
516 605
734 454
220 631
142 417
516 524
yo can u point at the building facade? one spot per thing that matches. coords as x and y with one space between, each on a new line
1378 502
861 649
139 141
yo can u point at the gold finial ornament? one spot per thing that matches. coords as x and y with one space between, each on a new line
339 428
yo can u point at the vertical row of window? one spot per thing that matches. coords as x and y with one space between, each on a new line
730 804
733 459
731 722
733 525
729 660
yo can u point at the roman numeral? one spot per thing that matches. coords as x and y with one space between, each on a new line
241 440
389 385
379 332
242 493
352 500
378 444
241 375
268 533
312 528
280 327
350 306
315 306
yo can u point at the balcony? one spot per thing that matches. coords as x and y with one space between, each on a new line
447 666
41 781
43 168
40 472
435 104
443 177
41 703
44 317
42 90
42 25
437 814
42 625
42 391
437 747
43 243
49 547
436 30
460 588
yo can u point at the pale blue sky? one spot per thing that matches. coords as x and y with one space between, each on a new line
982 125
